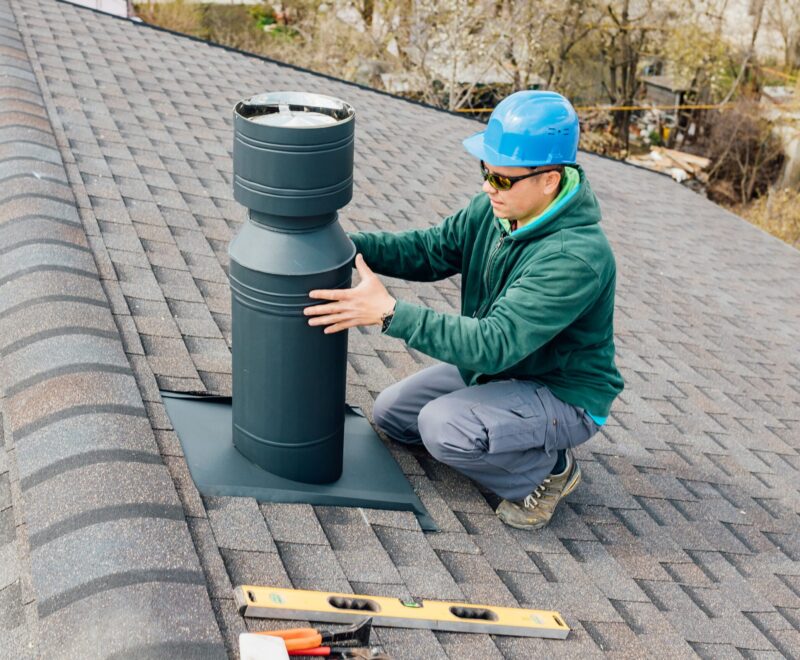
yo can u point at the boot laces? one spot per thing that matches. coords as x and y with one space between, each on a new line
533 499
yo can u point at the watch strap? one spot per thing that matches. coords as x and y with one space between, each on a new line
386 319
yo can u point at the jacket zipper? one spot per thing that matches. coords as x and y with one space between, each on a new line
487 279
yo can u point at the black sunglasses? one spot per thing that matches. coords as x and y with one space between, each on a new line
500 182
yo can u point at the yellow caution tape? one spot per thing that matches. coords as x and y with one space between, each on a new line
620 108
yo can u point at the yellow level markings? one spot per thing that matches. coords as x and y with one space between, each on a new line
276 603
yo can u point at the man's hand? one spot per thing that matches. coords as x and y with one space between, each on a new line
365 304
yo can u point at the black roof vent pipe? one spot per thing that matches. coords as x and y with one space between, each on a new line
293 170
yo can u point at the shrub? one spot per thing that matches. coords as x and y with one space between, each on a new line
179 16
746 154
778 212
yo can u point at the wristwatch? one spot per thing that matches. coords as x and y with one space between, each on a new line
386 319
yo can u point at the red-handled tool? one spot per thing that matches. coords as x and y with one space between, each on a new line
344 652
319 651
305 639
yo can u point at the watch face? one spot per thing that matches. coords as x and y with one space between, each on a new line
386 322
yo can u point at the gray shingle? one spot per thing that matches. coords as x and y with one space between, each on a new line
238 524
453 542
99 433
293 523
231 624
442 515
460 645
406 548
181 630
411 644
216 573
525 647
5 485
430 581
368 565
10 568
11 611
312 564
256 568
395 519
96 488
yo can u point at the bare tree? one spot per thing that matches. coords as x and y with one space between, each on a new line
757 12
624 40
783 16
747 155
569 22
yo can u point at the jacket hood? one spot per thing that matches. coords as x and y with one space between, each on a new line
578 207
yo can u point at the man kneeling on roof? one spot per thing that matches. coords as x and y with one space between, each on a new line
528 369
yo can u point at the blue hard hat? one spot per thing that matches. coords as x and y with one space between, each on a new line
528 129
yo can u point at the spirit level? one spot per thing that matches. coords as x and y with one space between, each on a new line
275 603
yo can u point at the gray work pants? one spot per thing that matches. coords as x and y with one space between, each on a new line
504 434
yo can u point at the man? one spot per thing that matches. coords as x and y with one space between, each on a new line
528 367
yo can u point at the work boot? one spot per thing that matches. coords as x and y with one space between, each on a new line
536 510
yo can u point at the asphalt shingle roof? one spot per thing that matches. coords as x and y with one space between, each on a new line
115 217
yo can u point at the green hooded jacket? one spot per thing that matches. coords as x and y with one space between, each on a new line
536 304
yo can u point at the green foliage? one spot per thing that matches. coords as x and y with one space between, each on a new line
263 15
267 20
655 138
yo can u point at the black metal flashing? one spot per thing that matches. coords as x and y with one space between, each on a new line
370 478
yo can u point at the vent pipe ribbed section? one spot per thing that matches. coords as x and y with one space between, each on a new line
293 170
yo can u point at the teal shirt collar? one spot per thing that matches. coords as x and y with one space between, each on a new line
572 183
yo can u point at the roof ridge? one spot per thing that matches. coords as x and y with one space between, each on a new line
265 58
94 550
